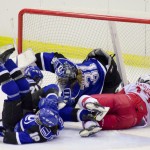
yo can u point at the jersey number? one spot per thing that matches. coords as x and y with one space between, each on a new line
35 136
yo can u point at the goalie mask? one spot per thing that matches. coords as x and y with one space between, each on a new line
65 70
144 79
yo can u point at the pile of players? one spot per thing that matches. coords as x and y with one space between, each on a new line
32 114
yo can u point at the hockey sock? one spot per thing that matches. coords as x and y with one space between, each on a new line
69 114
25 93
11 89
84 115
9 86
13 69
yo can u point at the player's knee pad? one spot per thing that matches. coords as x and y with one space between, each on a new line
11 114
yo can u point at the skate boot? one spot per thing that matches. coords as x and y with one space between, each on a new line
96 107
5 55
90 128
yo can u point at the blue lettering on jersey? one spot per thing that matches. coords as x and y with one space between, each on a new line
28 119
46 132
90 75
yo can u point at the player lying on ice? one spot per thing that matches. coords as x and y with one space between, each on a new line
21 127
20 124
94 113
96 74
128 108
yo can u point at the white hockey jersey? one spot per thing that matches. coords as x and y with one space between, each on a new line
142 90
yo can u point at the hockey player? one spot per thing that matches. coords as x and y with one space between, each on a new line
20 124
128 108
71 114
96 74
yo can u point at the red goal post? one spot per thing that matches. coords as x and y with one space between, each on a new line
76 34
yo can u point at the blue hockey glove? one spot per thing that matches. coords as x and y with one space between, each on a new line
66 96
33 72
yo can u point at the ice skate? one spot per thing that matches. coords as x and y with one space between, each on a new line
5 55
96 107
90 130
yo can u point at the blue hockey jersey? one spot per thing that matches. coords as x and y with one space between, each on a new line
93 74
29 131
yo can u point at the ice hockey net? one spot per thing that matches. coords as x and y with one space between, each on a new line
76 34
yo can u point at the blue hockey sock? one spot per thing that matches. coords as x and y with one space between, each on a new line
82 114
11 90
15 72
25 93
23 85
67 114
73 114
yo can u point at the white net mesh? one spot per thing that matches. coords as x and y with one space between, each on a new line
75 37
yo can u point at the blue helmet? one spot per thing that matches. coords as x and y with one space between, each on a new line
65 69
47 117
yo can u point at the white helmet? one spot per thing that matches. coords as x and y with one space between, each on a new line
144 79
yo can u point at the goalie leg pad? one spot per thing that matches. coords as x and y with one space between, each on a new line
11 114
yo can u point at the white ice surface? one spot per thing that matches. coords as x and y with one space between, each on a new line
69 139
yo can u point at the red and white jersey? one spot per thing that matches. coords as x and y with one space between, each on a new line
142 90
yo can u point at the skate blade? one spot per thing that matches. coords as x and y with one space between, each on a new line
87 133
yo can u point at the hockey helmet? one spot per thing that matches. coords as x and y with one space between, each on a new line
144 79
65 70
47 117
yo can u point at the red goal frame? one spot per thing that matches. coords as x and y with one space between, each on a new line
70 14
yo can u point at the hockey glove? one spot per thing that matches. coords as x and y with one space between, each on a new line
33 72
